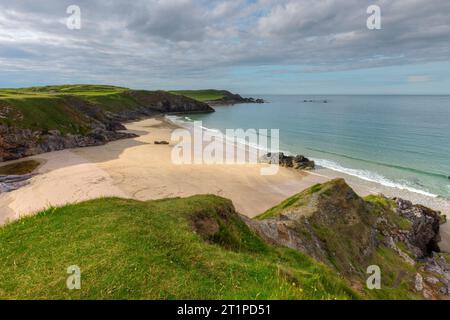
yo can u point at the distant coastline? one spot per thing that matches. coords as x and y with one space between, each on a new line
43 119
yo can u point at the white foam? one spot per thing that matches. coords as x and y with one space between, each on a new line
188 123
359 173
370 176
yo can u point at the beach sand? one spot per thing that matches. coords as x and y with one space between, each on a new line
139 169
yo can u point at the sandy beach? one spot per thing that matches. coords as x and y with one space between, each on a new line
139 169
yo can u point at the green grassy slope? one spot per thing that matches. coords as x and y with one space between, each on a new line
51 107
192 248
201 95
42 113
58 107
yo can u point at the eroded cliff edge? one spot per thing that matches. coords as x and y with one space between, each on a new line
332 224
37 120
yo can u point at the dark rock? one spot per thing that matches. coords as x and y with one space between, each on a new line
13 182
166 102
105 126
316 101
332 224
297 162
17 143
161 142
424 233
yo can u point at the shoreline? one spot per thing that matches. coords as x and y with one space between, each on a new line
136 168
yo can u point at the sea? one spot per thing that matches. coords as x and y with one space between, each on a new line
397 141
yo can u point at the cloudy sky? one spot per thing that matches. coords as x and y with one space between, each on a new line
248 46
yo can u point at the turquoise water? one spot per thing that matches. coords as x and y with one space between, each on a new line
398 141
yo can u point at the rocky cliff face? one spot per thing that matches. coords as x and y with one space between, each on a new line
423 236
331 223
17 143
321 221
102 125
161 101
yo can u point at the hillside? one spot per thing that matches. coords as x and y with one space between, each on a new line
331 223
41 119
192 248
315 245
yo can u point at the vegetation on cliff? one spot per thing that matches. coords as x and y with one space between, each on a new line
191 248
216 97
41 119
315 245
201 95
73 108
331 223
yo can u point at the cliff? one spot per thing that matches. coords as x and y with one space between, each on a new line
43 119
314 245
217 97
191 248
331 223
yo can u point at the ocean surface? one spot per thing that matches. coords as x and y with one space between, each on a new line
397 141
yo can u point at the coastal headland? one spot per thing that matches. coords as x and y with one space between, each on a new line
134 167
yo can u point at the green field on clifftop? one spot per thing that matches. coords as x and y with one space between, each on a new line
202 95
52 107
65 107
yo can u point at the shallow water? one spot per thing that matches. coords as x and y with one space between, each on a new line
398 141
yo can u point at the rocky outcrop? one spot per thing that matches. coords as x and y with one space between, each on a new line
297 162
424 234
14 182
332 224
437 281
231 98
165 102
17 143
320 222
315 101
102 124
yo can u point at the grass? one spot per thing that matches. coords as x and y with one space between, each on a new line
191 248
54 107
296 201
77 89
42 113
385 207
396 276
201 95
380 200
22 167
71 108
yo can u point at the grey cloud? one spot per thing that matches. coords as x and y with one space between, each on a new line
145 41
176 20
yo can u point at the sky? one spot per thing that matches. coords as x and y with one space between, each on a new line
246 46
